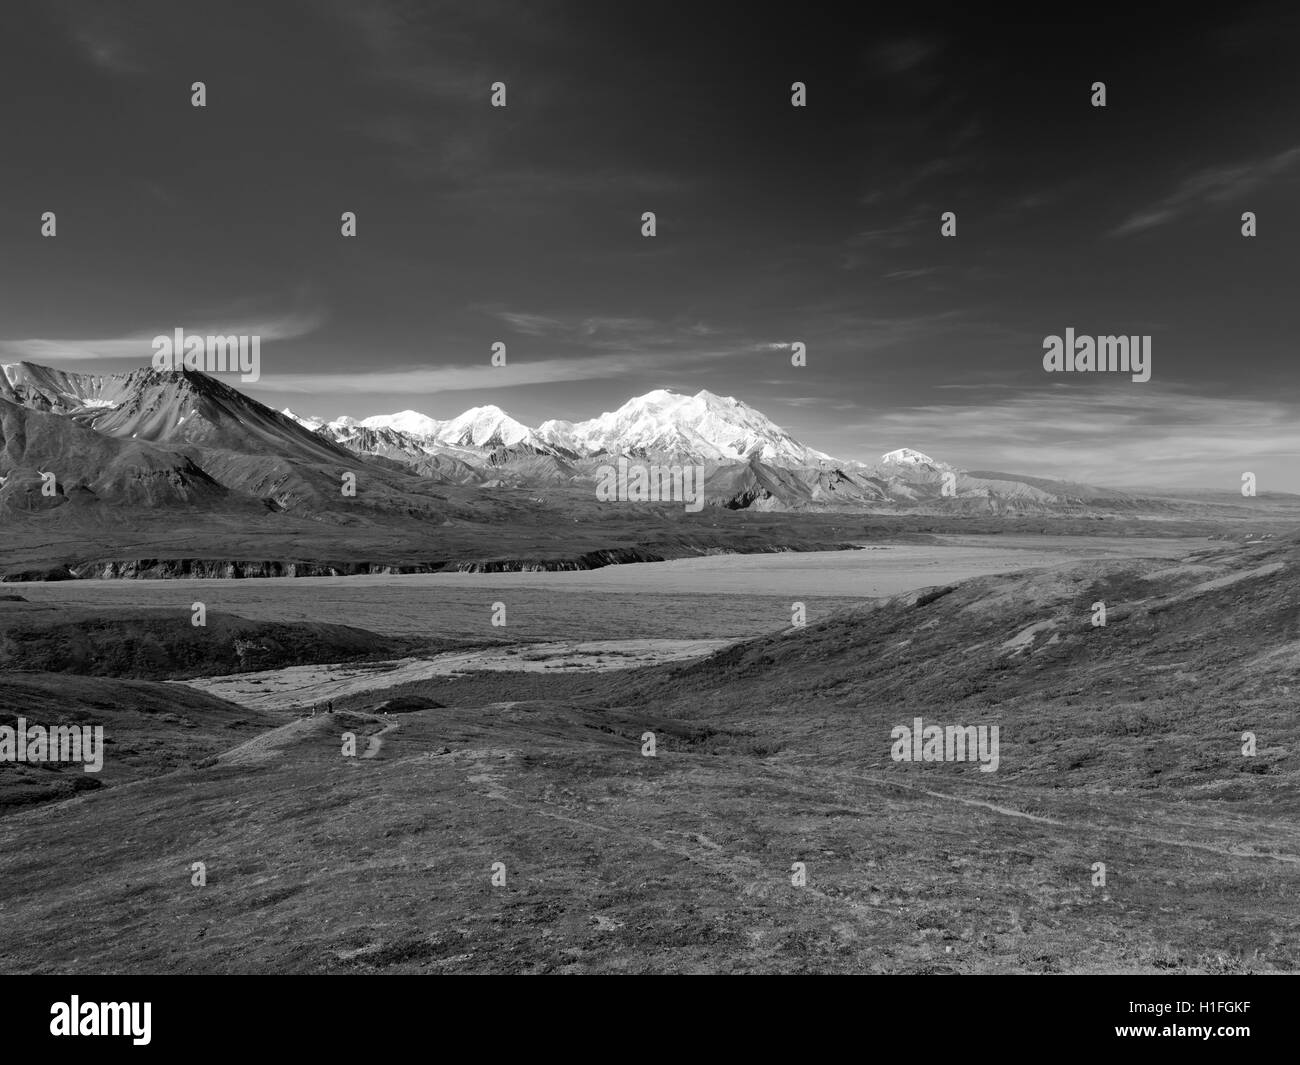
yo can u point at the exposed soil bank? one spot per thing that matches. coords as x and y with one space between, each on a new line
226 569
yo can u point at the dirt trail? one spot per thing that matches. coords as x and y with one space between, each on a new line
1130 831
748 874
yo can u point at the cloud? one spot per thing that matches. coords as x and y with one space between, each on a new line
592 326
106 34
470 377
44 351
604 332
1118 436
531 324
107 54
419 51
872 247
138 346
900 56
616 346
1213 185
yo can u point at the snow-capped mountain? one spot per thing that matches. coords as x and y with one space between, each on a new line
479 427
183 438
307 423
907 457
410 422
483 427
700 428
703 428
905 454
315 424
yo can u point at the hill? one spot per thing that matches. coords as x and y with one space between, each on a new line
772 831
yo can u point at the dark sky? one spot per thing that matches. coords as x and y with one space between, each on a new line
775 224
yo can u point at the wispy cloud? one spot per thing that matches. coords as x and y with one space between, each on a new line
1120 436
606 332
878 245
1213 185
418 50
530 324
598 324
901 55
137 346
471 377
108 35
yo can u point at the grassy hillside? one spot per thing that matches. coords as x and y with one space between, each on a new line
161 643
1119 745
149 729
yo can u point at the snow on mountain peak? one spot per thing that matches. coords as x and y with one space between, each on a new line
411 422
701 428
485 426
307 423
906 456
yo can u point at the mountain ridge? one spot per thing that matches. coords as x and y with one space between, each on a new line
404 463
703 428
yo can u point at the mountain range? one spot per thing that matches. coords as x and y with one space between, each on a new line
703 429
176 473
752 462
148 438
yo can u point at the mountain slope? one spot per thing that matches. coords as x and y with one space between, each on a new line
194 433
49 389
184 407
91 467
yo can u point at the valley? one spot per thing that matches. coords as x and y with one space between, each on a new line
1119 745
474 718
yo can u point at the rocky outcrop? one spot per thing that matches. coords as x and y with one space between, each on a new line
41 573
590 560
224 569
230 569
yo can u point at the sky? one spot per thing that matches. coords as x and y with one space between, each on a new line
774 224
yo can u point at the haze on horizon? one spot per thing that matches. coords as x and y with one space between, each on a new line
775 224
